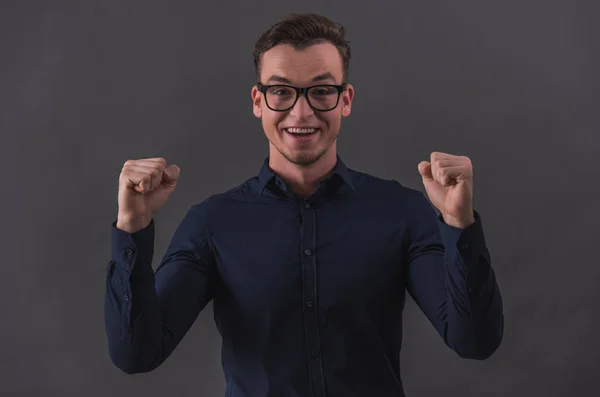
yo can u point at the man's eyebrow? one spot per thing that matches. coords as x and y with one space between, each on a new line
280 79
323 76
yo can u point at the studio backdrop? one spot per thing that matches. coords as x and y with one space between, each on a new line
86 85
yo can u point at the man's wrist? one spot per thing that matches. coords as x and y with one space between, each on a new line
461 223
131 224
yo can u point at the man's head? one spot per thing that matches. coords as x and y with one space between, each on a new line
302 51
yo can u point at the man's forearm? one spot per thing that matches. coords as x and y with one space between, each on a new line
133 321
457 289
133 315
475 321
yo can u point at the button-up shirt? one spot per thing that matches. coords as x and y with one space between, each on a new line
307 292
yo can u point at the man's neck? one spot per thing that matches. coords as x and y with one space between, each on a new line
303 180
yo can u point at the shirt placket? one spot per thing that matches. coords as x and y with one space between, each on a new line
309 290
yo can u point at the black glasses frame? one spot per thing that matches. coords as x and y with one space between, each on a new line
302 91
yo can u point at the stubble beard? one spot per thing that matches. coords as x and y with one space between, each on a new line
306 158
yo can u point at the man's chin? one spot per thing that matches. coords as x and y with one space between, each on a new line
304 159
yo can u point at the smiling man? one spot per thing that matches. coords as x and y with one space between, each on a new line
309 262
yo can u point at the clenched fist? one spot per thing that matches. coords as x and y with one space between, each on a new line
144 187
448 180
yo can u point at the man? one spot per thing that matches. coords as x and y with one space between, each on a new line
307 263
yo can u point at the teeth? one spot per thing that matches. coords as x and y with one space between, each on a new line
301 130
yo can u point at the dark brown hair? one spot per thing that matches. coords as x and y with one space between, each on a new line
301 31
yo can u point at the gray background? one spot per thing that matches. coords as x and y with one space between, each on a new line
85 86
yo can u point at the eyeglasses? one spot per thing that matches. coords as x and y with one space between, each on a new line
322 98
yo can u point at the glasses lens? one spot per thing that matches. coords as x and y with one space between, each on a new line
281 97
319 97
323 97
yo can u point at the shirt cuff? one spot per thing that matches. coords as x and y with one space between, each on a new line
133 252
466 247
467 241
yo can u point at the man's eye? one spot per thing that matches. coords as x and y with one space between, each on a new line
323 91
280 91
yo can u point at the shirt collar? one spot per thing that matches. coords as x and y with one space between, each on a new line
266 174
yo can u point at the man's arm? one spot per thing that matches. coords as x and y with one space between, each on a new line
147 313
451 279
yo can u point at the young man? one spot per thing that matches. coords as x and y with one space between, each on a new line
307 263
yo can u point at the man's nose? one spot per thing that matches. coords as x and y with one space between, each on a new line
302 108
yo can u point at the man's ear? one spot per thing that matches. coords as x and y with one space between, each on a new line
347 97
256 101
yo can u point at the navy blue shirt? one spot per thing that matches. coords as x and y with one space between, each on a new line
307 293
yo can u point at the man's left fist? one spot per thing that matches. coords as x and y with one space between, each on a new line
448 180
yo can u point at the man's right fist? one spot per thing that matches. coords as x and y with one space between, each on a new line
144 187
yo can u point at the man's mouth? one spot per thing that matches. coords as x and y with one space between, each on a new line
300 132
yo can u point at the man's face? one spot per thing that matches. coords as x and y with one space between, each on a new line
314 65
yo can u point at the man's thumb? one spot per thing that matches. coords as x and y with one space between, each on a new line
425 170
171 173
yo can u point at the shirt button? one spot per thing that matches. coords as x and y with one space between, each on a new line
314 353
129 251
307 252
309 303
470 290
307 206
126 298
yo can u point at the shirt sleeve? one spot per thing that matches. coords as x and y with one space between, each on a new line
451 279
147 313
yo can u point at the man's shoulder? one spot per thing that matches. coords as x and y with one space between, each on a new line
244 191
371 184
391 194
